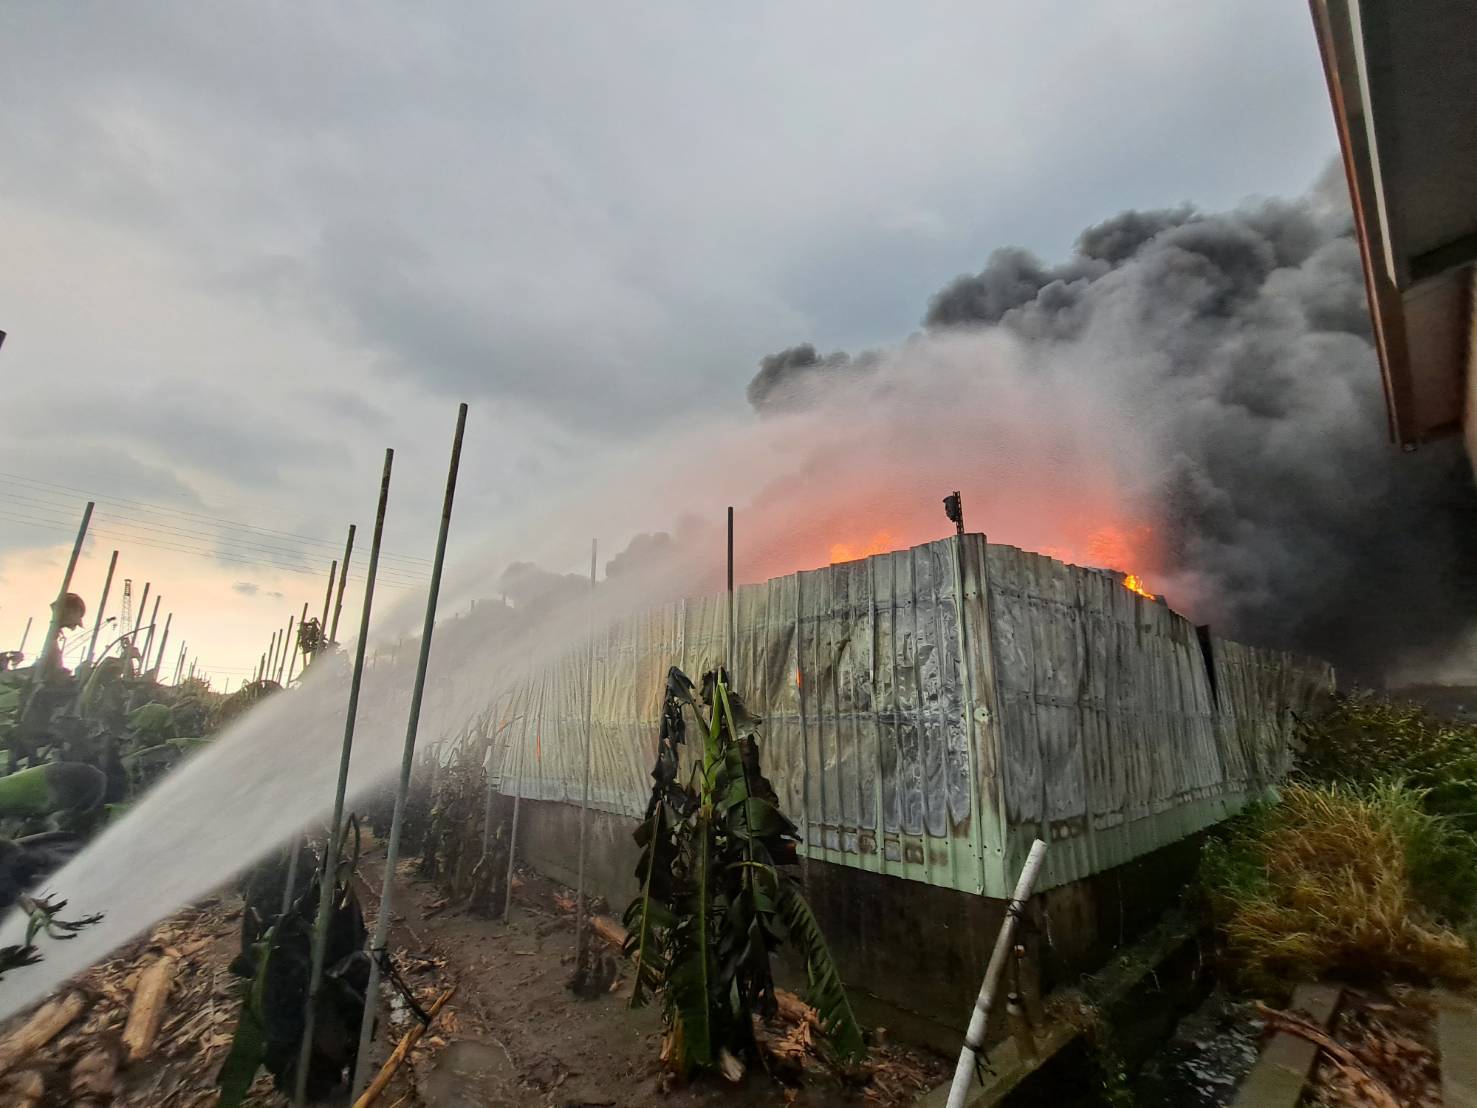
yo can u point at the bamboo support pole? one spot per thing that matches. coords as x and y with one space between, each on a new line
343 579
579 889
974 1041
398 1056
326 873
49 653
102 607
407 761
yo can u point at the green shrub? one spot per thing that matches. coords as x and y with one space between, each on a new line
1363 739
1356 881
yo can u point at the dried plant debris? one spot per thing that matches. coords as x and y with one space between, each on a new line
1392 1037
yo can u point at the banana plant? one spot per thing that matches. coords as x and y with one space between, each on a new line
718 896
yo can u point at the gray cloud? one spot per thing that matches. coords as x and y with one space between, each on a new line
246 588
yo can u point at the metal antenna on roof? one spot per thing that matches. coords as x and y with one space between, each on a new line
954 509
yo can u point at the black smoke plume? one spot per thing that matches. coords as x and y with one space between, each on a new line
1233 350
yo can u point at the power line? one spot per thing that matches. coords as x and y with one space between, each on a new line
251 550
417 562
244 560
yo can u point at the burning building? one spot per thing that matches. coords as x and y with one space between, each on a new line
928 712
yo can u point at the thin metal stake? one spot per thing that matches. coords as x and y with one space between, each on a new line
26 634
163 642
48 647
407 763
731 643
142 604
518 787
326 873
179 666
269 660
303 619
102 607
288 647
327 598
143 662
579 891
343 579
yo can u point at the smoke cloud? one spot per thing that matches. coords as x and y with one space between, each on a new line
1190 396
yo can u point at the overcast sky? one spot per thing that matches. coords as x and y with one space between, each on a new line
247 247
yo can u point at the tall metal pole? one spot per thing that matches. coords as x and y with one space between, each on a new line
261 668
143 662
407 762
102 607
328 598
26 634
579 891
139 619
731 645
192 666
163 642
326 874
538 725
49 652
303 619
269 660
179 666
343 579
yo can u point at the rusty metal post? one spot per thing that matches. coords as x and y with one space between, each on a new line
407 763
49 653
102 607
343 579
326 873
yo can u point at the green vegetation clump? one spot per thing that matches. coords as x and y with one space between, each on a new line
1360 882
1363 739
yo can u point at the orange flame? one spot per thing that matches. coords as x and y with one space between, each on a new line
1134 583
880 543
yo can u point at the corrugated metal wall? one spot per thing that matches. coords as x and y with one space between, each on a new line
931 710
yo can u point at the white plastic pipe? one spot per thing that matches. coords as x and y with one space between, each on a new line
974 1041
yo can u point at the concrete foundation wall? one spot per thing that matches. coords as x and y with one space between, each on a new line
911 954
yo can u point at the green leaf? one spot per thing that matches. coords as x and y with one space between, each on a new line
826 993
249 1044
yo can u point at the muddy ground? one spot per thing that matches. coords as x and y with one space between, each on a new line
518 1036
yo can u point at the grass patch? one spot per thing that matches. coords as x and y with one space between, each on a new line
1363 739
1355 880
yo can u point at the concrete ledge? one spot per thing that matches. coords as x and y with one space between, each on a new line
1456 1039
1286 1062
